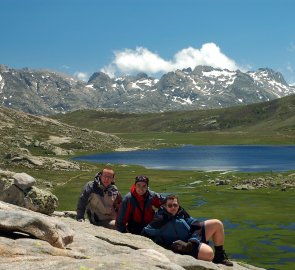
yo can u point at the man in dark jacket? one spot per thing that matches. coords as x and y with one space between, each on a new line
136 210
100 199
173 228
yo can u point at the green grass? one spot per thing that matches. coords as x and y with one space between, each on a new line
270 122
267 117
164 139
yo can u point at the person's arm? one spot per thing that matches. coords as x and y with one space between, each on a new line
117 202
82 202
153 230
195 227
123 216
192 222
158 200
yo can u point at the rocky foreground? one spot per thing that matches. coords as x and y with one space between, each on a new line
31 240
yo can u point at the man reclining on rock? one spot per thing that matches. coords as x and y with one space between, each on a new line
173 228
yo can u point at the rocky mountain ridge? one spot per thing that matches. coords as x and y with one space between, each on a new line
45 92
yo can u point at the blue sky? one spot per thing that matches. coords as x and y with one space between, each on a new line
80 37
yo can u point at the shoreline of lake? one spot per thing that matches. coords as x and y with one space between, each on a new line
244 158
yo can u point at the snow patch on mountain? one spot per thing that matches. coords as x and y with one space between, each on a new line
182 101
2 84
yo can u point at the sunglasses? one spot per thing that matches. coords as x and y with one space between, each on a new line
107 176
170 205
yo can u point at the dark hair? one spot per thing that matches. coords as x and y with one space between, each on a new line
142 178
170 197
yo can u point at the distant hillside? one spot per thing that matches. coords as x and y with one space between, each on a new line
276 115
43 92
27 134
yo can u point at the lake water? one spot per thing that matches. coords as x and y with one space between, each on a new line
244 158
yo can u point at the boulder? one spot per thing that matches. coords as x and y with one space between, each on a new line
17 189
92 247
40 200
18 219
23 180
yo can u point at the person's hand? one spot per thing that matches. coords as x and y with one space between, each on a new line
181 246
81 220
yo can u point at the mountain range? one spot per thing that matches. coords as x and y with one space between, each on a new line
44 92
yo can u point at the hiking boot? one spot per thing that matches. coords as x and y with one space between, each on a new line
221 258
181 246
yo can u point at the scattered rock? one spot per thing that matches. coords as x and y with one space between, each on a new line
274 181
59 140
42 162
60 164
243 187
222 182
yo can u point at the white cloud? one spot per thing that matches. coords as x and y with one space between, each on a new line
292 47
209 55
83 76
65 67
138 60
110 70
291 74
142 60
290 68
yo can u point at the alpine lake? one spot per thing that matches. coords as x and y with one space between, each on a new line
259 222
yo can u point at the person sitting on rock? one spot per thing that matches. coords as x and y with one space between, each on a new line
173 228
100 199
137 208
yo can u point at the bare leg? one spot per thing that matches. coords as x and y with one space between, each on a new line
205 253
214 230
